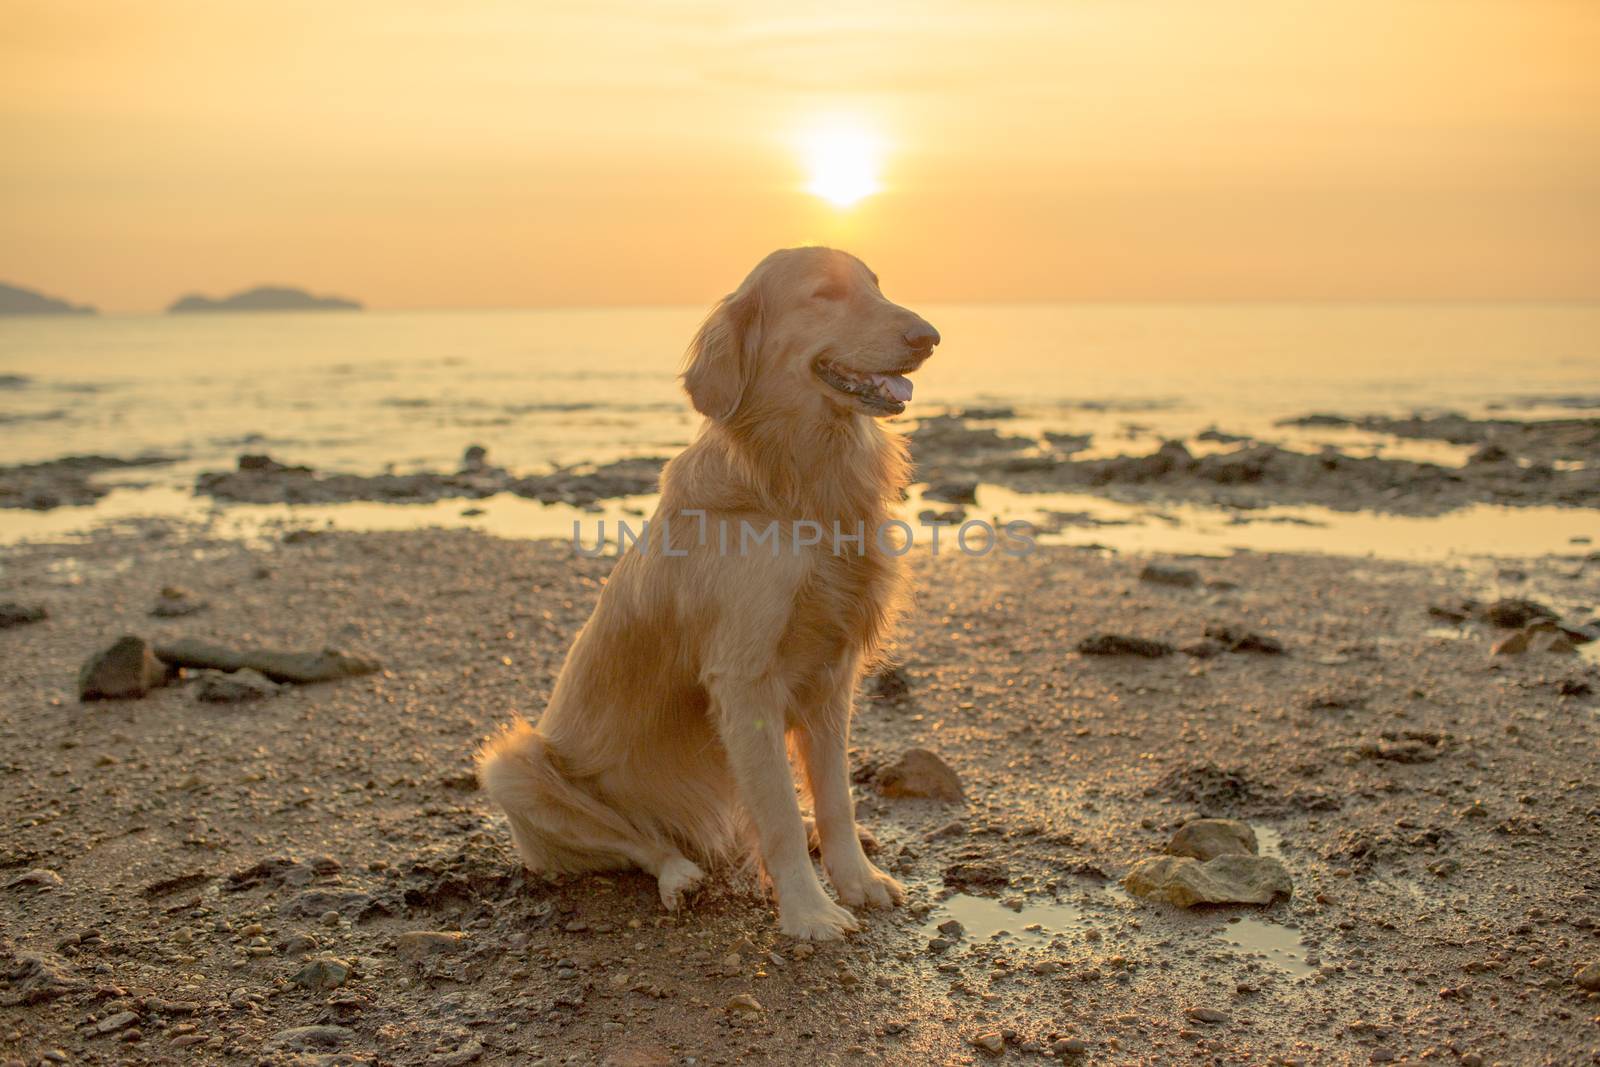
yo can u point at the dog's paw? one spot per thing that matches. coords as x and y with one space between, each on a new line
818 920
678 876
867 886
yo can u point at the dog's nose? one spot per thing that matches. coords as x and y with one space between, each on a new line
922 335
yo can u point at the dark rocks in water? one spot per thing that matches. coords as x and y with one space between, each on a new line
987 414
15 300
260 479
1169 458
236 687
1123 645
475 458
1490 453
888 683
14 614
1168 574
263 298
949 517
1514 614
299 667
955 491
1068 443
1216 436
64 482
1233 639
949 435
128 669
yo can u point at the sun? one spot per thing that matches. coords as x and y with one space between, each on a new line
842 160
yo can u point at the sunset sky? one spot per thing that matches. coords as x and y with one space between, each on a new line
513 153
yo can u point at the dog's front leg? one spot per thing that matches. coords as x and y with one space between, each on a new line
750 718
823 746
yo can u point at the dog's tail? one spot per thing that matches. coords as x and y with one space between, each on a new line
556 824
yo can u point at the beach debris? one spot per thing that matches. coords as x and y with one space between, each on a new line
1206 839
1514 614
920 774
1540 637
888 683
329 665
1123 645
174 603
744 1004
129 668
236 687
1227 879
322 973
14 614
415 944
1169 574
38 878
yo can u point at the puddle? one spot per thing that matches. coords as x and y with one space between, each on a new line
1280 945
1036 922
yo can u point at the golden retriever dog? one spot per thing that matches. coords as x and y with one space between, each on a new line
738 624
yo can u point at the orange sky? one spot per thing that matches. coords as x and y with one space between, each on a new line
513 153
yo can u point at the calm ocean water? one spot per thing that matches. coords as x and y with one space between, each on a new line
410 390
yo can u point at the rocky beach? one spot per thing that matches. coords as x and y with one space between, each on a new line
267 868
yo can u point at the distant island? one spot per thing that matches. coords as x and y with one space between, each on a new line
264 298
15 300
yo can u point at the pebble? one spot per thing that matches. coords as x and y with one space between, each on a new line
744 1003
1069 1046
303 1037
418 943
1207 1015
324 973
991 1041
37 878
920 774
112 1023
1588 977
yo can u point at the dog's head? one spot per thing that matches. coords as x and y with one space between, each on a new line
808 331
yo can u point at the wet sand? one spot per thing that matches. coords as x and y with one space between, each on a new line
1435 806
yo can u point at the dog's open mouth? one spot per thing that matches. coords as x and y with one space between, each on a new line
883 393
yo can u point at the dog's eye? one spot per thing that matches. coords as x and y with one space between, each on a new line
829 292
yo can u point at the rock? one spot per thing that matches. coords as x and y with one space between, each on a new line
744 1004
919 773
14 614
415 944
1206 839
1539 637
299 667
323 973
317 903
1233 639
1513 614
238 687
475 458
38 878
992 1041
112 1023
1069 1046
33 978
953 491
175 603
312 1037
1230 879
128 669
1167 574
888 683
1123 645
1588 977
1207 1015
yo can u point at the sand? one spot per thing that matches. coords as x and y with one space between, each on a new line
169 867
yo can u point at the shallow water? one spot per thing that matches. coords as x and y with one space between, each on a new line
410 390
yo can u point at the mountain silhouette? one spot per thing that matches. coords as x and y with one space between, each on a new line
264 298
15 300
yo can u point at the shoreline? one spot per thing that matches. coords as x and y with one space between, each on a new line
1404 776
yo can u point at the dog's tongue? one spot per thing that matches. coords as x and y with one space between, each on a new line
895 385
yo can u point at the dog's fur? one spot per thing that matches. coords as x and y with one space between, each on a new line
665 737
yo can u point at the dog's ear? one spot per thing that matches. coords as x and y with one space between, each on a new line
721 358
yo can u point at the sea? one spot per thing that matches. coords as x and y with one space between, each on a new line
411 390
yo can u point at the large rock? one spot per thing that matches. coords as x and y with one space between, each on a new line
1230 879
300 667
919 773
129 668
1206 839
